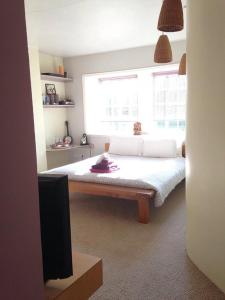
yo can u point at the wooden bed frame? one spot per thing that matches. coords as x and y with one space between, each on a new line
142 196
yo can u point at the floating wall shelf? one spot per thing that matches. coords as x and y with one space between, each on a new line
49 149
58 106
56 78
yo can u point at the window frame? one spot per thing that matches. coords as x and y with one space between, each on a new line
148 101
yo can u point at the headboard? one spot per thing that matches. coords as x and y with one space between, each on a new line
183 150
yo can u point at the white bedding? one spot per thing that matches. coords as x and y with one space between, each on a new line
159 174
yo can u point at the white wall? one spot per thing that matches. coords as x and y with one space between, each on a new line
49 63
54 118
206 138
134 58
37 109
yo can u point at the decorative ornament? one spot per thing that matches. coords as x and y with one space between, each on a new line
137 128
182 66
171 17
83 140
163 51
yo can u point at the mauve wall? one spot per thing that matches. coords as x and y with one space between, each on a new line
20 245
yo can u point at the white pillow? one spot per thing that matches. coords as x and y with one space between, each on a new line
124 145
159 148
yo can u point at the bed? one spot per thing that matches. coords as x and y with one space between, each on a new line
139 179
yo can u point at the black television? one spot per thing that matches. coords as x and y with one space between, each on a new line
55 226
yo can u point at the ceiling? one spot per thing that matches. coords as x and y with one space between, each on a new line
80 27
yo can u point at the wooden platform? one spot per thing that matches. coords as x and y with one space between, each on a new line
141 196
87 278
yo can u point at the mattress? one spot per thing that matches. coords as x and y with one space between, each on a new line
159 174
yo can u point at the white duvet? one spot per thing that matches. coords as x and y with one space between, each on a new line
159 174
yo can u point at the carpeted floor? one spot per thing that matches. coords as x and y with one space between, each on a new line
141 262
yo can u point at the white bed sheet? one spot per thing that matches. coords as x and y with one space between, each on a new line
159 174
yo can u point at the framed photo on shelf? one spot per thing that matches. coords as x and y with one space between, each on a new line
50 89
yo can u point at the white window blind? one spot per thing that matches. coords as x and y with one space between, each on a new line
169 100
119 102
154 97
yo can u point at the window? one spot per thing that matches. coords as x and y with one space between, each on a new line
169 100
119 102
156 97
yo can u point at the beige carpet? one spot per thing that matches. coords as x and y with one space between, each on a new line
141 262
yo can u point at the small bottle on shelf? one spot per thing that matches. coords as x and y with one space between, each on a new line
61 70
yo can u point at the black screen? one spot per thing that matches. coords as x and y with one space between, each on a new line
55 226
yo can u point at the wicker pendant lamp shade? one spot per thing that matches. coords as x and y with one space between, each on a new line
182 66
163 51
171 16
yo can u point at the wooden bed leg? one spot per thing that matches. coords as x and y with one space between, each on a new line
143 210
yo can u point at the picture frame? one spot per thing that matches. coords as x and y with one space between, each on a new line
50 89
